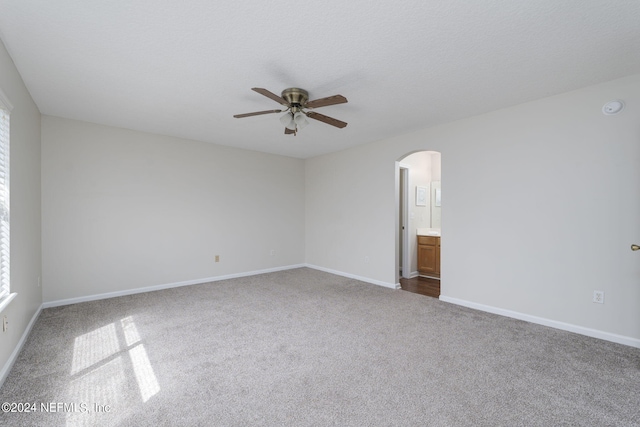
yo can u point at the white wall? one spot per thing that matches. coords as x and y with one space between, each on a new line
540 205
124 210
25 207
436 177
436 166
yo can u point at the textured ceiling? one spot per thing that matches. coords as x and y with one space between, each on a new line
183 68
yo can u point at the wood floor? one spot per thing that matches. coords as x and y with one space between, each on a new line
421 285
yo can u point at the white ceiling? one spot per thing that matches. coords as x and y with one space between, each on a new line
183 68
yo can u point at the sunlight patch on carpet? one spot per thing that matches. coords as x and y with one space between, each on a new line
94 347
104 385
147 381
131 335
100 351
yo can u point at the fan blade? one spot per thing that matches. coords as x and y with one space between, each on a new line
323 102
326 119
288 131
257 113
271 95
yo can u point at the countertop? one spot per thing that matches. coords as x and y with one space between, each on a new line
428 232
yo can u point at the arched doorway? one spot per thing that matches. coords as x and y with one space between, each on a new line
419 222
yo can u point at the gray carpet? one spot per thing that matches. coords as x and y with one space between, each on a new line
307 348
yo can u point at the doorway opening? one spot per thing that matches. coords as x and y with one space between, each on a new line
418 222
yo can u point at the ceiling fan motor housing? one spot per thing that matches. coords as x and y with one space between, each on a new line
295 96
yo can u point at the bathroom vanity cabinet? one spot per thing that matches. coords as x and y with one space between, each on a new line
429 256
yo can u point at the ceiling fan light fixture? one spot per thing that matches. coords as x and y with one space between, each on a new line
301 119
287 121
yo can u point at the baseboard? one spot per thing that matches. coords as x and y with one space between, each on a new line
426 276
125 292
353 276
16 351
412 275
594 333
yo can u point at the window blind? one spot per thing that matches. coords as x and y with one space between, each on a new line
5 274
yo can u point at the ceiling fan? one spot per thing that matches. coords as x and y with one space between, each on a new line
297 101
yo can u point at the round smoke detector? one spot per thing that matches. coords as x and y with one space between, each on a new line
612 107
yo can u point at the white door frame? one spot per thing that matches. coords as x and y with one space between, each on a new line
406 258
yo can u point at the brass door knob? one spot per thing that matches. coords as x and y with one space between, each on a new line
635 247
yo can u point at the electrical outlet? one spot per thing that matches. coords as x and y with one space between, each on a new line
598 297
272 252
366 260
217 258
39 281
5 324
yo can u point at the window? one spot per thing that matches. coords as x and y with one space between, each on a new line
5 276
